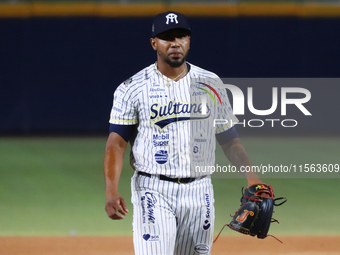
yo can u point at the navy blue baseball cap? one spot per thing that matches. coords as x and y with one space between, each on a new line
169 20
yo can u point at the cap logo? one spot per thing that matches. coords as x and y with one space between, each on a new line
171 17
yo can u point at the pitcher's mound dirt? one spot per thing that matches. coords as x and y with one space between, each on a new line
292 245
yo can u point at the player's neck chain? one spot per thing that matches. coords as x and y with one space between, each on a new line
168 82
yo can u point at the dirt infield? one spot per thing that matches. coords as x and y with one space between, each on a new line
292 245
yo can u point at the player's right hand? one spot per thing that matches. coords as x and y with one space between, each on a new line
115 207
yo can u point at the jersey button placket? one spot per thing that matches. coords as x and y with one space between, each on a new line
177 145
180 127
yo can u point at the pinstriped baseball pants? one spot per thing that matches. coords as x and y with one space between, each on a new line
171 218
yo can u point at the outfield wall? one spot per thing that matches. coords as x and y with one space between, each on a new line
58 72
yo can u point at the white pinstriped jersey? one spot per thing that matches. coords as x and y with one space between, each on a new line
173 134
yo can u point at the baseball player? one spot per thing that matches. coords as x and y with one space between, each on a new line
154 110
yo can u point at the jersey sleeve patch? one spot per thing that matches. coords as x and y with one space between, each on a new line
123 111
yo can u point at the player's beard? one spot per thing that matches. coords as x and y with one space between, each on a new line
176 63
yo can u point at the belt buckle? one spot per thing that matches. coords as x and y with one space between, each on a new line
179 180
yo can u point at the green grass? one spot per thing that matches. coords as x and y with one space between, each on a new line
52 186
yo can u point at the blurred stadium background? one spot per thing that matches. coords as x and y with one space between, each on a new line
61 61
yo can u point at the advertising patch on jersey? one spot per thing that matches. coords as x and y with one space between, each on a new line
161 157
151 238
198 93
200 138
201 249
207 224
156 92
199 142
143 208
160 139
150 206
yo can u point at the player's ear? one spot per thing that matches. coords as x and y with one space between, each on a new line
153 43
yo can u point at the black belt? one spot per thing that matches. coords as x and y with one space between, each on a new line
165 178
